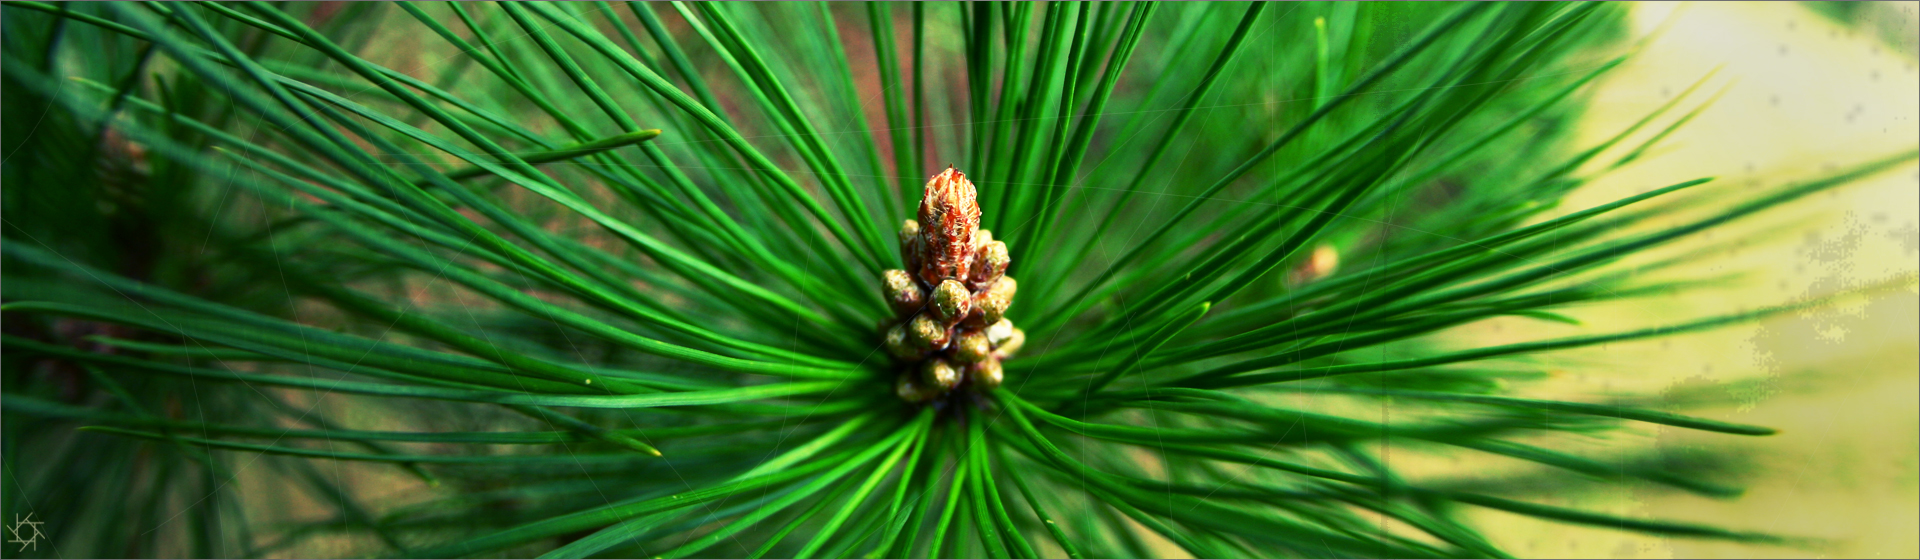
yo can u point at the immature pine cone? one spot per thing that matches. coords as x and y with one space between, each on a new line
949 329
949 214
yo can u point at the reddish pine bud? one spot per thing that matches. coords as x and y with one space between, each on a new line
903 294
949 214
950 302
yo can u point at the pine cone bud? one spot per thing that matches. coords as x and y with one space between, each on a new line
903 294
1006 338
1011 346
910 244
901 344
995 299
949 215
952 301
986 375
938 373
909 387
927 333
990 264
949 304
972 346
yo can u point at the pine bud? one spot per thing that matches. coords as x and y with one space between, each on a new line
910 244
903 294
949 215
927 333
986 375
1007 348
990 264
1006 338
951 301
937 373
972 346
909 387
901 344
995 299
999 332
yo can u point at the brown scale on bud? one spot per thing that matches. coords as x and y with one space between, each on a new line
949 215
903 294
949 328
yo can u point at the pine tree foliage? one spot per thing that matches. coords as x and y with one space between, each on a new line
606 279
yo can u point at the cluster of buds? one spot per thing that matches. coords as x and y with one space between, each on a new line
950 303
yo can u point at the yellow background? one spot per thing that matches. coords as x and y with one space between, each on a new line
1803 94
